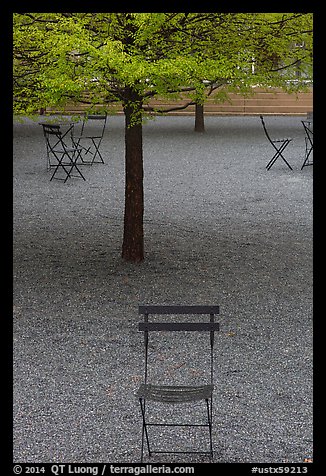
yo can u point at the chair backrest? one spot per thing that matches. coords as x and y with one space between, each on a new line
88 121
51 129
174 326
53 136
265 129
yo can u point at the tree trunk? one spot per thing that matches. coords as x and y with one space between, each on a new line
133 236
199 118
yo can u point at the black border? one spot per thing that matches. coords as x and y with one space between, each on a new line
6 347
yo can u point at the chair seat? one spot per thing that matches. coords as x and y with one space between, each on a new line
91 137
87 137
175 393
68 149
285 139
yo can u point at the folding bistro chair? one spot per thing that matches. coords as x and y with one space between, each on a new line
60 155
309 142
88 140
176 394
278 144
65 129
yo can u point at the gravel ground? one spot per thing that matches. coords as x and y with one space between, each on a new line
219 229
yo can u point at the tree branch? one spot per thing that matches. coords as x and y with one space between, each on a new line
286 66
213 86
162 111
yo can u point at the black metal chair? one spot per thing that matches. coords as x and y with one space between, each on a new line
309 142
61 156
279 146
66 129
89 141
171 393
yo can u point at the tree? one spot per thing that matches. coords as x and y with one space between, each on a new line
133 57
285 35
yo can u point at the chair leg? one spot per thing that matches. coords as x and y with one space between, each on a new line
87 151
287 163
306 160
84 149
278 154
144 431
68 168
209 418
74 164
97 152
209 406
272 161
60 164
48 162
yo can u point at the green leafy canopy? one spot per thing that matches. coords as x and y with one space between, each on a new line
60 56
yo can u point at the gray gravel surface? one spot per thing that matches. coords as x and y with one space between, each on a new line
219 229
